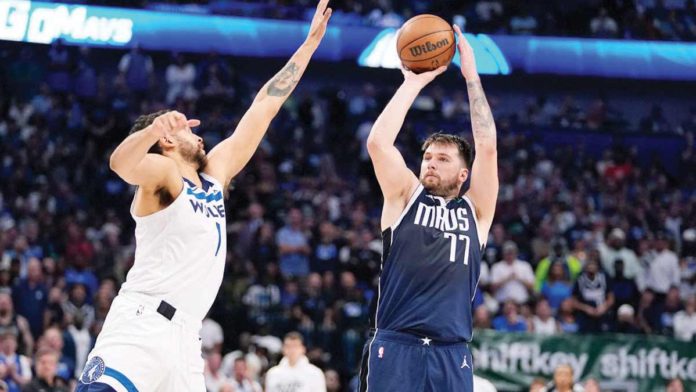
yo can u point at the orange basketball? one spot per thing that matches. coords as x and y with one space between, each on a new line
425 42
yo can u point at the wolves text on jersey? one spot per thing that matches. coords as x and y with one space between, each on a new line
210 211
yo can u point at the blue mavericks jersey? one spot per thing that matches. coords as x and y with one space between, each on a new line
430 269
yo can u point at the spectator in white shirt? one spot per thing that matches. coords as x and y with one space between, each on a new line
483 385
511 278
211 335
685 321
241 380
664 269
180 77
603 25
542 322
614 250
294 372
214 376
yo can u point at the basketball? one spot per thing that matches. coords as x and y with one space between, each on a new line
425 42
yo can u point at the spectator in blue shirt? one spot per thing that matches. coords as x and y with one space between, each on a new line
293 246
510 320
30 296
557 287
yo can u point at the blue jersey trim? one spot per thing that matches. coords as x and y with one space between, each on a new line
120 377
217 224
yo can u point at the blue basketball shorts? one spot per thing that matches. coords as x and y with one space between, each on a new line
396 361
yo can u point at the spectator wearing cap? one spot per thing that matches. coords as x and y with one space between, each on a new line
615 249
212 336
46 380
685 321
663 269
626 320
512 278
15 369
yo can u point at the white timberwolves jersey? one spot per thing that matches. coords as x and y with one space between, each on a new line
180 250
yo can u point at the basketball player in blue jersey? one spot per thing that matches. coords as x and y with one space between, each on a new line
433 236
150 339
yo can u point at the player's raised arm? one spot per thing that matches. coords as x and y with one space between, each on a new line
483 190
132 162
232 154
395 179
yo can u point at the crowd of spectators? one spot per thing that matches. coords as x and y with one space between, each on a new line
670 20
579 245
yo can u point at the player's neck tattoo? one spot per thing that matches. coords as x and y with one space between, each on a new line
284 81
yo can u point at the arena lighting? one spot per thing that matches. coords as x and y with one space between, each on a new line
42 22
381 52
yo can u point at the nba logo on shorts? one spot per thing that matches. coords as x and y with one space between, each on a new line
381 352
93 370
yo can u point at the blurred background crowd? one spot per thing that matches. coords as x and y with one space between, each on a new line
584 241
673 20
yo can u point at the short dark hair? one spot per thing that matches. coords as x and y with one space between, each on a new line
294 336
462 145
144 121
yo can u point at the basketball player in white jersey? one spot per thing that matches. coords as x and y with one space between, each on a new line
150 339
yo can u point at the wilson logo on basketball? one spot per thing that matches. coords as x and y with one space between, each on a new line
428 47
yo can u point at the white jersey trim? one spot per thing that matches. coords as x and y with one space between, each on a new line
412 200
212 179
163 211
482 241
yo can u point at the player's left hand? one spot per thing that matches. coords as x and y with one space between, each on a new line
319 22
421 79
467 60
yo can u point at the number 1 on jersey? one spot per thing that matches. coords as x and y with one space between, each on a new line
453 247
217 224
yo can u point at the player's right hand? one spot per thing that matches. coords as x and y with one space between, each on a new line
171 122
318 27
421 79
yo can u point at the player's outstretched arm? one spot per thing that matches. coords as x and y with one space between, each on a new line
230 156
131 161
483 190
395 179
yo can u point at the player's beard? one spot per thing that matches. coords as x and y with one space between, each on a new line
439 187
195 155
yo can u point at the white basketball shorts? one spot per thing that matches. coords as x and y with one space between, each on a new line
139 349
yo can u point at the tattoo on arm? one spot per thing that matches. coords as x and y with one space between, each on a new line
284 81
482 122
